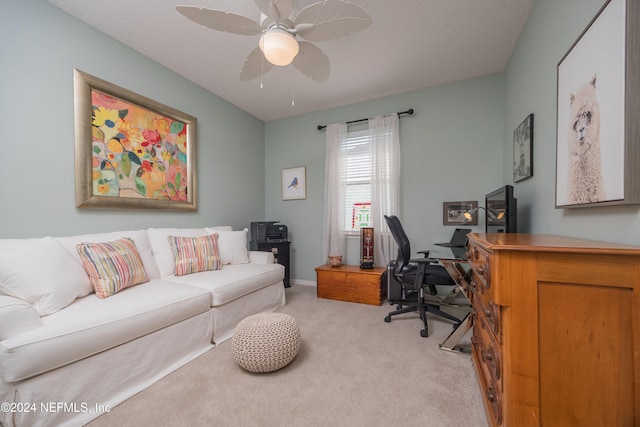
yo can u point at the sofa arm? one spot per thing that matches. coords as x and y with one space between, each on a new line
259 257
16 316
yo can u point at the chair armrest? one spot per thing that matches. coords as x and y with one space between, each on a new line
260 257
423 260
16 317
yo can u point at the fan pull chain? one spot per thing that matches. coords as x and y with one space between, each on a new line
293 87
262 73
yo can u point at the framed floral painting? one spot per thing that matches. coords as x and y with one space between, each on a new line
131 151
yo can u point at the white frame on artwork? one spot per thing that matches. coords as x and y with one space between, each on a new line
294 183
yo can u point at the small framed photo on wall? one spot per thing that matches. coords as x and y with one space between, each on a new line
523 150
294 183
453 213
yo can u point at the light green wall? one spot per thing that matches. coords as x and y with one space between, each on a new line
40 46
530 87
451 150
457 146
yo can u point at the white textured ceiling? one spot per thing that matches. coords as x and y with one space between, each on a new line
411 44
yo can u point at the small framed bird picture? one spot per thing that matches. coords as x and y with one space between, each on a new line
294 183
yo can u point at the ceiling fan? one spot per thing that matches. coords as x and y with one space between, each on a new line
280 27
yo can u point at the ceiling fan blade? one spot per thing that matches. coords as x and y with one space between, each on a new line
330 19
221 21
312 62
279 10
254 66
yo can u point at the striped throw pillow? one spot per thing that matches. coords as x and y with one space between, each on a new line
112 266
194 254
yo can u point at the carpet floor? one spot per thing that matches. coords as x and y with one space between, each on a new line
353 369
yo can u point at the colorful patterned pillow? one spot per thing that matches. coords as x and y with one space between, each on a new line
112 266
194 254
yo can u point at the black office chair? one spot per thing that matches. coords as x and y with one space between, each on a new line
414 275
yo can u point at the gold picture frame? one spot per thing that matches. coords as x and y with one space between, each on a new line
131 152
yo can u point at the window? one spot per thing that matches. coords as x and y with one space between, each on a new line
362 184
357 148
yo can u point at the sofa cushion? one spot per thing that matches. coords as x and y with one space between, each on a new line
161 248
195 254
91 325
16 316
233 281
10 245
43 274
232 246
112 266
138 236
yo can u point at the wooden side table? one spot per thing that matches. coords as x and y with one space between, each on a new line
352 284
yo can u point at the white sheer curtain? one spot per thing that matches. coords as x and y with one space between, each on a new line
385 186
385 183
333 231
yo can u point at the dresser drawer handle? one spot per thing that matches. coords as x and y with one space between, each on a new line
486 269
491 394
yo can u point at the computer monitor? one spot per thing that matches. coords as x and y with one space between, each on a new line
501 210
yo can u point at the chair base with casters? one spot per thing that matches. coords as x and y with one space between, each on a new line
419 302
417 280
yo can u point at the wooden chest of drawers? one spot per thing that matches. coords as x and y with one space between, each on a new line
556 337
350 283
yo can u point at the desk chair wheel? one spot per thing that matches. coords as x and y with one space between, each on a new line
424 333
387 319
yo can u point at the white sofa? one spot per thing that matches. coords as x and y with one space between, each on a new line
67 356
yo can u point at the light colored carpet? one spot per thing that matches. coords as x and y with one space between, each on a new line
353 370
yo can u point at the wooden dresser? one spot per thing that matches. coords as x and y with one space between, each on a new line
556 336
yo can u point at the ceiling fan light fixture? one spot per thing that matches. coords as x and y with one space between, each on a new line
279 46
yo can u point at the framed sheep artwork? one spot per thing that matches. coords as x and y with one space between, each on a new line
597 148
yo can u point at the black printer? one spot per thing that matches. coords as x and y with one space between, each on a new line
269 231
268 236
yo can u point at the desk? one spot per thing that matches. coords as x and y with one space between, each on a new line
455 262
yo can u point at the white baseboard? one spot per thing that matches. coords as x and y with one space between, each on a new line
305 282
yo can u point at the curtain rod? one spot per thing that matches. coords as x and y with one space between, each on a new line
409 112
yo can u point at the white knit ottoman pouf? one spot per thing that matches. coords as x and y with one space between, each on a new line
266 342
